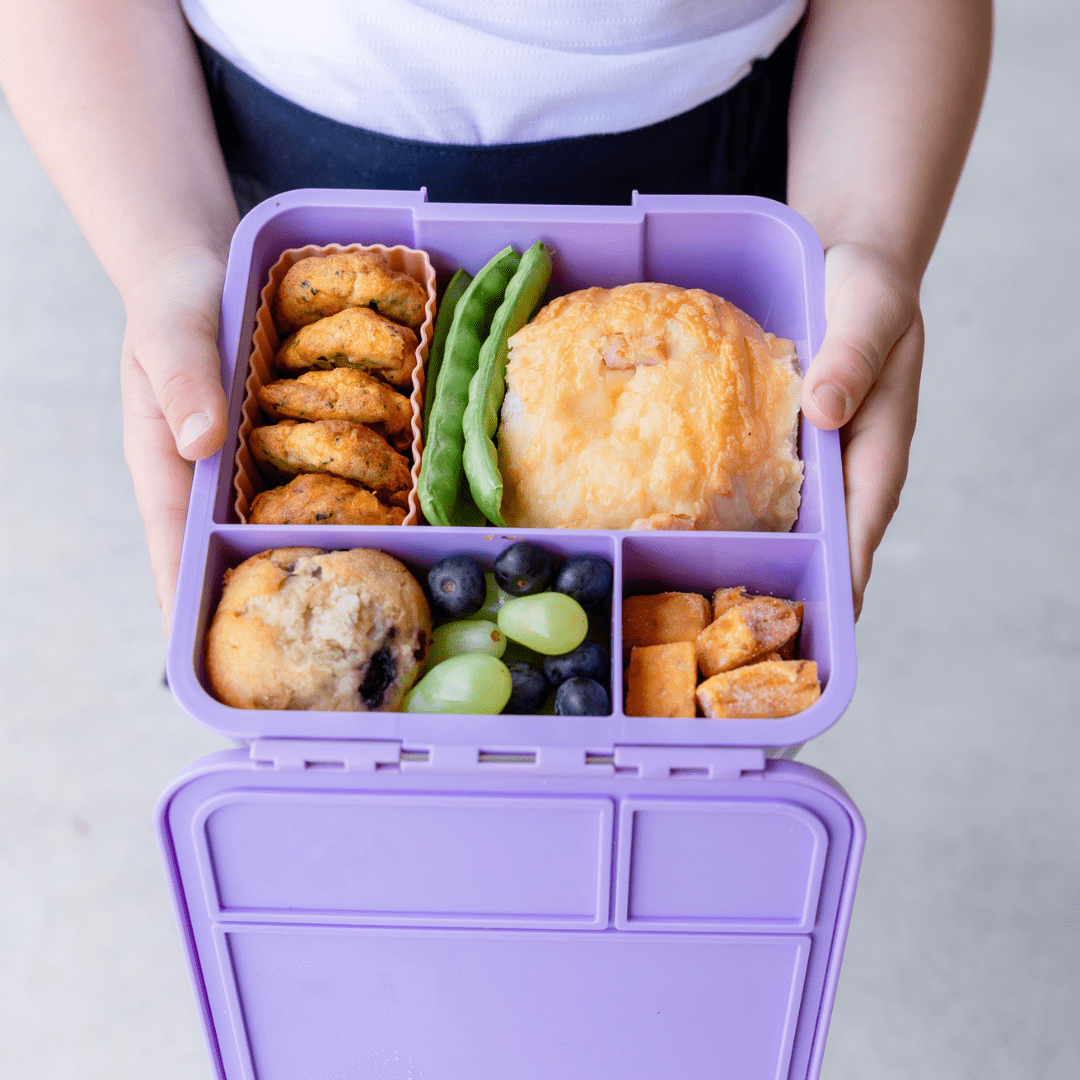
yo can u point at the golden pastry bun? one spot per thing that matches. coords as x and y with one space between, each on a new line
649 407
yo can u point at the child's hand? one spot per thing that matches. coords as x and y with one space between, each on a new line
883 107
865 379
174 406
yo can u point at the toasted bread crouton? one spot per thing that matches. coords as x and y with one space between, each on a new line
665 618
725 599
768 690
661 680
746 633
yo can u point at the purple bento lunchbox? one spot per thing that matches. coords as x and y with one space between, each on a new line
398 896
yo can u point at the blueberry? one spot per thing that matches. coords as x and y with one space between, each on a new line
523 569
381 672
528 691
590 660
587 578
582 697
457 587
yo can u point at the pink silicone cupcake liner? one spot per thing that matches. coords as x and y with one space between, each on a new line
248 481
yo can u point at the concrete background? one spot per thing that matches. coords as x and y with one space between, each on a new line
960 748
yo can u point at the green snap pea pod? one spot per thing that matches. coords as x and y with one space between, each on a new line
488 386
443 490
447 306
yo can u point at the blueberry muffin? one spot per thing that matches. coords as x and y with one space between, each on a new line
303 628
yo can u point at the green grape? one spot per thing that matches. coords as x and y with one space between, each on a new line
465 636
494 600
551 623
470 683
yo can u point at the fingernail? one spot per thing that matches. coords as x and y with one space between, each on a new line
196 425
831 401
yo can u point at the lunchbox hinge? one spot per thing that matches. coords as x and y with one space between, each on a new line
692 762
532 761
295 755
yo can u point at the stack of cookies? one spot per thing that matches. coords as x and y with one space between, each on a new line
341 418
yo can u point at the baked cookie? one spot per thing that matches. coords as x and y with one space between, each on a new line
338 447
341 394
649 407
302 628
355 338
321 499
326 284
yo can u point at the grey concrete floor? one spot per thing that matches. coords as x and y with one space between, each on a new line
961 747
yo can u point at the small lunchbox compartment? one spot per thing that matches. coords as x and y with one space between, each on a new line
266 340
418 549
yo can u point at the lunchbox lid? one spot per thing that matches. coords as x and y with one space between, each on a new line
355 917
757 253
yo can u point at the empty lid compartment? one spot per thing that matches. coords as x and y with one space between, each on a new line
731 865
480 1005
344 856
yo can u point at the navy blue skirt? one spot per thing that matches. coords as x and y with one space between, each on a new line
735 144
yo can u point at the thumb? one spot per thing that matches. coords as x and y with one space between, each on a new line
866 315
180 359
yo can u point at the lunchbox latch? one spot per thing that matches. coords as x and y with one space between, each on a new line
295 755
696 762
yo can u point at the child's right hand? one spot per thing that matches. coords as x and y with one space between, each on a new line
174 406
112 98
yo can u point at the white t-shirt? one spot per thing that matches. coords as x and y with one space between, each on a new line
472 73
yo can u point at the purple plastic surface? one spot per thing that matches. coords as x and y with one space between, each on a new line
756 253
404 923
388 896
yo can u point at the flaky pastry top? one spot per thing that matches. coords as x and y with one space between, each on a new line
648 406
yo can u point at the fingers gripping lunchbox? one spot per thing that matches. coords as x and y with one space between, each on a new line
371 893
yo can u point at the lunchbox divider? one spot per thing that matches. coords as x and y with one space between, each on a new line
811 448
617 688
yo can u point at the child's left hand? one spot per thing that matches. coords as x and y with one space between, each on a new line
865 380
